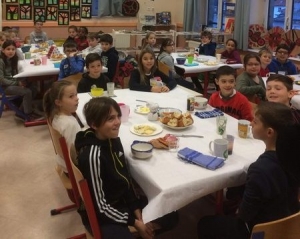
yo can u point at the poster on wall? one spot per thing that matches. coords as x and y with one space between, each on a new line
63 5
86 11
51 13
12 12
25 2
39 14
39 3
25 12
11 1
75 3
75 14
63 18
52 2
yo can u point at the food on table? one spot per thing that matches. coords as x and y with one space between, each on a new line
175 119
142 109
57 57
144 129
211 63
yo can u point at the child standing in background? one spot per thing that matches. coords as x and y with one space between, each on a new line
72 31
207 47
38 36
2 38
265 59
73 64
81 39
150 40
94 46
231 53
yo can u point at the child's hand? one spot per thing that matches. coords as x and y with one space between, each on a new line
156 89
72 54
164 89
144 231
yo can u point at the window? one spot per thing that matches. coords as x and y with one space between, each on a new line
284 13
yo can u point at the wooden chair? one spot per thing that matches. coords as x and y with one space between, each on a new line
163 68
74 78
286 228
27 40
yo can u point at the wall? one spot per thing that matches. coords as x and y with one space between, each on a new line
257 11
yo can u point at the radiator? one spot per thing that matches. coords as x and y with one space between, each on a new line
122 40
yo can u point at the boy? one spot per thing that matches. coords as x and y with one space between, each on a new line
207 47
73 64
109 55
269 194
94 46
72 31
93 75
38 36
228 99
281 64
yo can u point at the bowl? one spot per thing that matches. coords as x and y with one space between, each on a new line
56 64
180 60
164 111
202 60
200 103
96 92
141 149
25 48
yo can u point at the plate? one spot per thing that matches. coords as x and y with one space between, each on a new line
143 110
142 129
177 128
211 63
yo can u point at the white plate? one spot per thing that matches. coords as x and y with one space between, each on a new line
158 129
143 110
177 128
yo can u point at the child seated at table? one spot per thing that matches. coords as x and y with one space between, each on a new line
280 90
38 35
94 46
281 64
72 64
207 47
150 40
93 76
231 54
228 99
109 55
72 31
265 59
269 192
2 38
81 39
249 83
147 70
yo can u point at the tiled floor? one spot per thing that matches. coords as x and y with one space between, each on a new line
30 187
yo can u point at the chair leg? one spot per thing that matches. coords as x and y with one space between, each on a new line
56 211
81 236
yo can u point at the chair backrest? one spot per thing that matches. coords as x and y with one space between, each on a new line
55 136
164 68
287 228
74 78
117 72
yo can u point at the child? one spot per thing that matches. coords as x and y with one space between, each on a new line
93 75
72 64
72 31
2 38
231 53
115 201
38 36
228 99
109 55
167 47
207 47
281 64
150 40
147 69
94 46
13 36
269 194
249 83
13 86
81 39
265 59
60 103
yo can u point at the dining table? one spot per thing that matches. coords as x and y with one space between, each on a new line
168 182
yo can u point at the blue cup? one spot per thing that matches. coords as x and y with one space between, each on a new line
56 64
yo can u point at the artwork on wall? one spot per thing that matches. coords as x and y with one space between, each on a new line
39 3
12 12
27 2
25 12
63 18
86 1
86 11
11 1
75 14
51 13
52 2
75 3
63 5
39 14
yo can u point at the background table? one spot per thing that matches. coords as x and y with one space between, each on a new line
168 182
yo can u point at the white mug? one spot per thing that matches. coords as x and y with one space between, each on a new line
220 148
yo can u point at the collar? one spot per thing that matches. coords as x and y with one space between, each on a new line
227 97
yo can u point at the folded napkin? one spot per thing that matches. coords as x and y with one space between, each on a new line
209 114
195 157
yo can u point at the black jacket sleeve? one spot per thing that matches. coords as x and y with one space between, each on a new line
170 82
135 82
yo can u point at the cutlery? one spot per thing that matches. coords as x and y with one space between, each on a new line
142 101
188 135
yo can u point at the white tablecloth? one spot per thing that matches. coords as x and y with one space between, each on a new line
168 182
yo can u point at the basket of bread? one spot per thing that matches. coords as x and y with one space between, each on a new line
176 120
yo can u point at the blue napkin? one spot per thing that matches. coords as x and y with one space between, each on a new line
209 114
195 157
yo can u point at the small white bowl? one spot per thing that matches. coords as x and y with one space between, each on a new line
141 149
200 103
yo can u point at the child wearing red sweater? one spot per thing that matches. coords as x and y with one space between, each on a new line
228 99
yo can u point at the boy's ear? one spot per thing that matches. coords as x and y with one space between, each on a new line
291 93
217 81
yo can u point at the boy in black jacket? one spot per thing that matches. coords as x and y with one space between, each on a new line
109 55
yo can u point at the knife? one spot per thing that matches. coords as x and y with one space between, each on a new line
188 135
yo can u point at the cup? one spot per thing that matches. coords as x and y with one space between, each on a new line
190 58
155 82
44 60
243 128
200 102
110 88
218 57
125 110
173 143
96 92
230 139
37 61
220 148
27 55
221 122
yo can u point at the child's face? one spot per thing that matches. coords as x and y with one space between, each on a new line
205 40
69 101
169 48
2 39
226 84
259 131
81 32
13 36
266 58
277 92
253 67
69 51
110 128
230 46
282 55
147 62
92 42
72 33
95 69
105 46
151 40
9 51
38 26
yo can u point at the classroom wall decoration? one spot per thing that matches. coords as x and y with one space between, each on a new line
25 12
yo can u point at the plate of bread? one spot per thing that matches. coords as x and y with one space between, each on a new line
177 121
57 57
147 129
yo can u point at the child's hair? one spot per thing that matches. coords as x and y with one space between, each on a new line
206 34
37 21
70 44
91 57
4 29
274 115
264 51
14 59
283 46
148 34
92 35
97 110
165 42
234 41
140 64
249 56
73 27
56 92
225 71
287 81
107 38
84 30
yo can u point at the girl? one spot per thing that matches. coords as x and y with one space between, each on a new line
150 40
231 53
147 69
167 47
13 86
60 103
81 39
249 82
2 37
265 59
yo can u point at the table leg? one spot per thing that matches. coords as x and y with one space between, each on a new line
206 83
219 202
